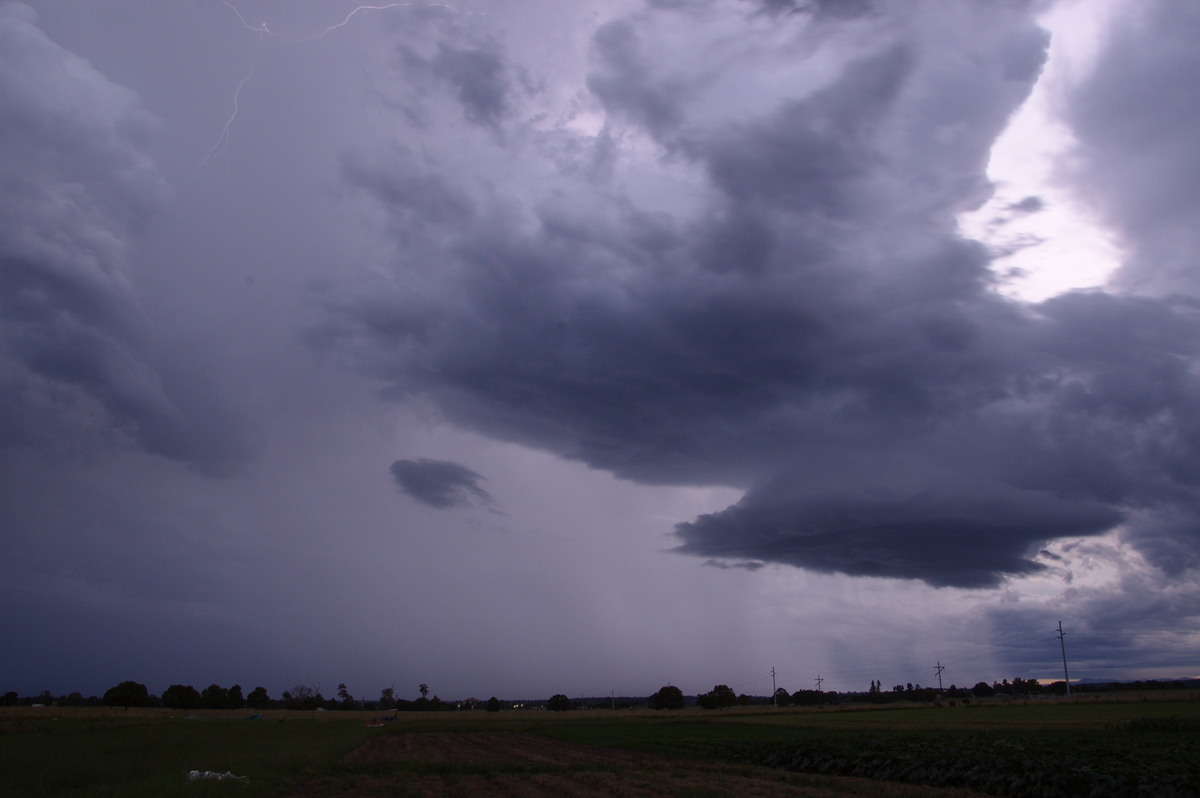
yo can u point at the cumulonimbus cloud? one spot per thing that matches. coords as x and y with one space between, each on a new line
806 324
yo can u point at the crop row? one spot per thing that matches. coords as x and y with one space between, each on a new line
997 767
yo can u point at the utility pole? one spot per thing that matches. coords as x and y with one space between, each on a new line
939 675
774 689
1062 640
818 680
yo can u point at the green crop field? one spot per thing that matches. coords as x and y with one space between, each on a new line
1047 748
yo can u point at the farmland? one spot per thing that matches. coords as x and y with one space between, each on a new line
1096 747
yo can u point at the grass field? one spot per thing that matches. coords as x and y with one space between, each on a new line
1042 748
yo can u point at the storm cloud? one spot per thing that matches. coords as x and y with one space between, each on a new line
813 328
717 295
439 483
76 345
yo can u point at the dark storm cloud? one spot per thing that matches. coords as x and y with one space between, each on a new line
624 84
951 536
440 483
1028 205
818 334
478 77
75 343
833 8
476 71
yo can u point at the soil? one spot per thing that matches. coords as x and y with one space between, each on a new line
508 765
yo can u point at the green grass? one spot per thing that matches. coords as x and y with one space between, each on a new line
1042 748
1099 749
679 732
81 758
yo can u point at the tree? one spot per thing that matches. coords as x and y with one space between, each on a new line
303 696
1024 686
181 696
234 699
558 703
493 704
808 698
387 699
983 690
258 699
347 700
720 696
214 697
127 694
668 697
423 690
782 697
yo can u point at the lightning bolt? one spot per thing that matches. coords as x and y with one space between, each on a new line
222 142
261 28
263 31
361 9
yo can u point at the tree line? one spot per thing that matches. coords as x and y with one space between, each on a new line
669 697
187 697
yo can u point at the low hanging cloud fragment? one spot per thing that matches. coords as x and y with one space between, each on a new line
440 483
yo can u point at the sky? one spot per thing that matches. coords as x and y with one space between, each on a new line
518 347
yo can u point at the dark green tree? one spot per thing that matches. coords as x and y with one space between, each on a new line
181 696
558 703
493 704
234 699
782 697
1022 686
127 694
345 700
719 697
668 697
258 699
214 697
387 699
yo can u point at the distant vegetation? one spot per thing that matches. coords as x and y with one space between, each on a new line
309 697
1099 746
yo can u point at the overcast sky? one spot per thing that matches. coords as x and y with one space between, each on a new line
519 347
